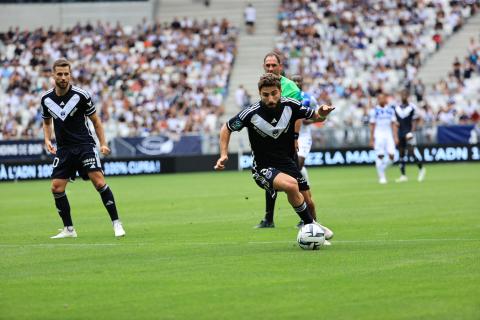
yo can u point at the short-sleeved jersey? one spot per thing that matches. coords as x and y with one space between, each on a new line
69 113
382 117
271 130
406 114
308 101
290 89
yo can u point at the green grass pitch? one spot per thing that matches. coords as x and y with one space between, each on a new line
401 251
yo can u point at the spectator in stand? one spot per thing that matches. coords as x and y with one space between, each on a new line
240 96
140 77
339 46
250 15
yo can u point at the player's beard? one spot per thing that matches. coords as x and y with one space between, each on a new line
62 84
272 107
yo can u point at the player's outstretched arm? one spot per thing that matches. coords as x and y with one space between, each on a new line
97 124
47 131
224 141
322 112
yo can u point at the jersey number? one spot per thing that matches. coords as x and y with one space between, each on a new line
55 162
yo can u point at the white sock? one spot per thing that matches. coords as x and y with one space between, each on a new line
379 164
304 173
386 163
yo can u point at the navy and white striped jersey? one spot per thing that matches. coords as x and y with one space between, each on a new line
69 113
271 130
406 114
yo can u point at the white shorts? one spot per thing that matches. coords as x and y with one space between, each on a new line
384 145
304 146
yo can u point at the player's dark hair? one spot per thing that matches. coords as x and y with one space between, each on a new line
269 80
273 54
62 62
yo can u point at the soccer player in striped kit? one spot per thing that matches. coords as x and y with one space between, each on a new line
70 107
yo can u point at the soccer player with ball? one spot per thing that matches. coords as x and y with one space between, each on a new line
270 123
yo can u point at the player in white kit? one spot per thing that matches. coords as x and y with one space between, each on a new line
383 135
304 142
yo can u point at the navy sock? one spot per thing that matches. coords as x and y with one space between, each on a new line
303 213
63 208
270 205
402 166
108 201
418 161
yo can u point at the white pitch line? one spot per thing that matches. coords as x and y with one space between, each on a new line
60 245
405 240
375 241
47 245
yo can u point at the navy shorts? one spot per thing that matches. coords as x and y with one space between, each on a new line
70 160
404 143
264 176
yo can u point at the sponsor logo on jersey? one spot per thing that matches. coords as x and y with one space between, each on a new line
90 162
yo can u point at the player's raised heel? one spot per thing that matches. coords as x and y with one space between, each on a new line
65 233
118 229
421 174
328 233
402 178
265 224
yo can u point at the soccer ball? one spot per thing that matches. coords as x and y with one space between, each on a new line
310 237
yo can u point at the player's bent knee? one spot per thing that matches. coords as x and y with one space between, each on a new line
98 183
292 187
289 187
57 187
97 179
284 182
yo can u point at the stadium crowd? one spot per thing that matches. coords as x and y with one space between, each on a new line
172 78
457 97
148 79
349 51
